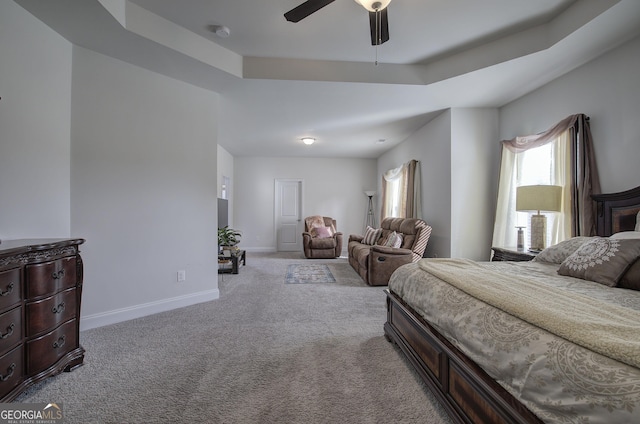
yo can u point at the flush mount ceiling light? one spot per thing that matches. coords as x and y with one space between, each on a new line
308 140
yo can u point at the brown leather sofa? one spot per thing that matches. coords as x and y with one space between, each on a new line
318 247
375 263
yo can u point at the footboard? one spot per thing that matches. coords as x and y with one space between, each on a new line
468 394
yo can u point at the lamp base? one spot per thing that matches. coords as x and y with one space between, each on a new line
538 232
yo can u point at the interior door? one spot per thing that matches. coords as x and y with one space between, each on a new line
289 225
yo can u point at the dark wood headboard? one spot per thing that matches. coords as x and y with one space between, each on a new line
617 211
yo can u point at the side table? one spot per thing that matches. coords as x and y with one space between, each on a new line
511 254
235 258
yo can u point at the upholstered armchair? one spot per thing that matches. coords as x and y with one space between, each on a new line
320 238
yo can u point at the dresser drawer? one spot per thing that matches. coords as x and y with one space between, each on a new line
10 288
11 371
10 328
50 277
47 349
50 312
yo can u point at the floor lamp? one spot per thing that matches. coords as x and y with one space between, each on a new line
370 218
538 198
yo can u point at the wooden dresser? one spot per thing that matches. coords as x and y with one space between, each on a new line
40 293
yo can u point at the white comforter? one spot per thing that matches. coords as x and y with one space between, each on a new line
559 381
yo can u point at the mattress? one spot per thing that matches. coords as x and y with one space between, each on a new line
561 382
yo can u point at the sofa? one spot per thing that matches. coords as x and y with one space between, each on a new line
321 239
375 257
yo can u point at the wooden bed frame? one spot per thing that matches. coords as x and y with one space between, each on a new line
467 392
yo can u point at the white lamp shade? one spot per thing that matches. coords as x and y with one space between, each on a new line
368 4
539 198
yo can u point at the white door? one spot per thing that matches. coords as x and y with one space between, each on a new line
289 225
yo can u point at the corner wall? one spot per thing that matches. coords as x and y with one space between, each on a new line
35 120
606 89
143 178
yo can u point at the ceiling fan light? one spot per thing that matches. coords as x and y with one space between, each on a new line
373 5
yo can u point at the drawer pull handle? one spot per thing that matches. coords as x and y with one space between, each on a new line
58 343
9 332
58 309
57 275
10 370
8 290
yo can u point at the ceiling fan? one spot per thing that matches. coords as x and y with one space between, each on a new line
378 21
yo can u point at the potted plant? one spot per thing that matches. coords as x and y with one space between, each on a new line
228 238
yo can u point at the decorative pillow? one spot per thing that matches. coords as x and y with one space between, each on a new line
631 278
322 232
371 235
603 260
626 235
557 253
394 240
638 222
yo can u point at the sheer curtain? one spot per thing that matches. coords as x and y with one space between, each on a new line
572 167
401 192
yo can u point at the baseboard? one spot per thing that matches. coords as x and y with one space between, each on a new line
118 315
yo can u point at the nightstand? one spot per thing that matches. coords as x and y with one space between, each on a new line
511 254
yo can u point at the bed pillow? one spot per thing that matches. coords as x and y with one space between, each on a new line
638 222
371 235
603 260
557 253
626 235
631 278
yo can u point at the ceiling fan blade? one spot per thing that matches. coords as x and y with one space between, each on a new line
379 24
305 9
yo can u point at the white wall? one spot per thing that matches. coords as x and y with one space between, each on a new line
454 150
35 86
143 188
606 89
333 187
475 162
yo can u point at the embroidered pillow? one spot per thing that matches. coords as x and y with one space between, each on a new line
557 253
603 260
371 235
394 240
322 232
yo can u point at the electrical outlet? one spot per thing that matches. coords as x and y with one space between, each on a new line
182 275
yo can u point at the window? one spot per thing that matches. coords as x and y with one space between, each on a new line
545 165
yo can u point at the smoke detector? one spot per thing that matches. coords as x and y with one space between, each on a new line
220 30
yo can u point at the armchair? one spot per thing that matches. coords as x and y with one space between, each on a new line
320 239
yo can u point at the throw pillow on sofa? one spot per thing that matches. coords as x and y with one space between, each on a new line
394 240
371 235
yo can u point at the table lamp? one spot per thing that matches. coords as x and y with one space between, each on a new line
538 198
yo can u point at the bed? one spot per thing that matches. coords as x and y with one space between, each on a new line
486 365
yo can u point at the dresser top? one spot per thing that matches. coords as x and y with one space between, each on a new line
12 247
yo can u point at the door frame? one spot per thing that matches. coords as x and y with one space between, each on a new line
276 198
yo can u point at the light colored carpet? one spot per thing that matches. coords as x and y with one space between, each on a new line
265 352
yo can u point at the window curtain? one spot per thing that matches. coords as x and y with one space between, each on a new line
401 192
574 169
